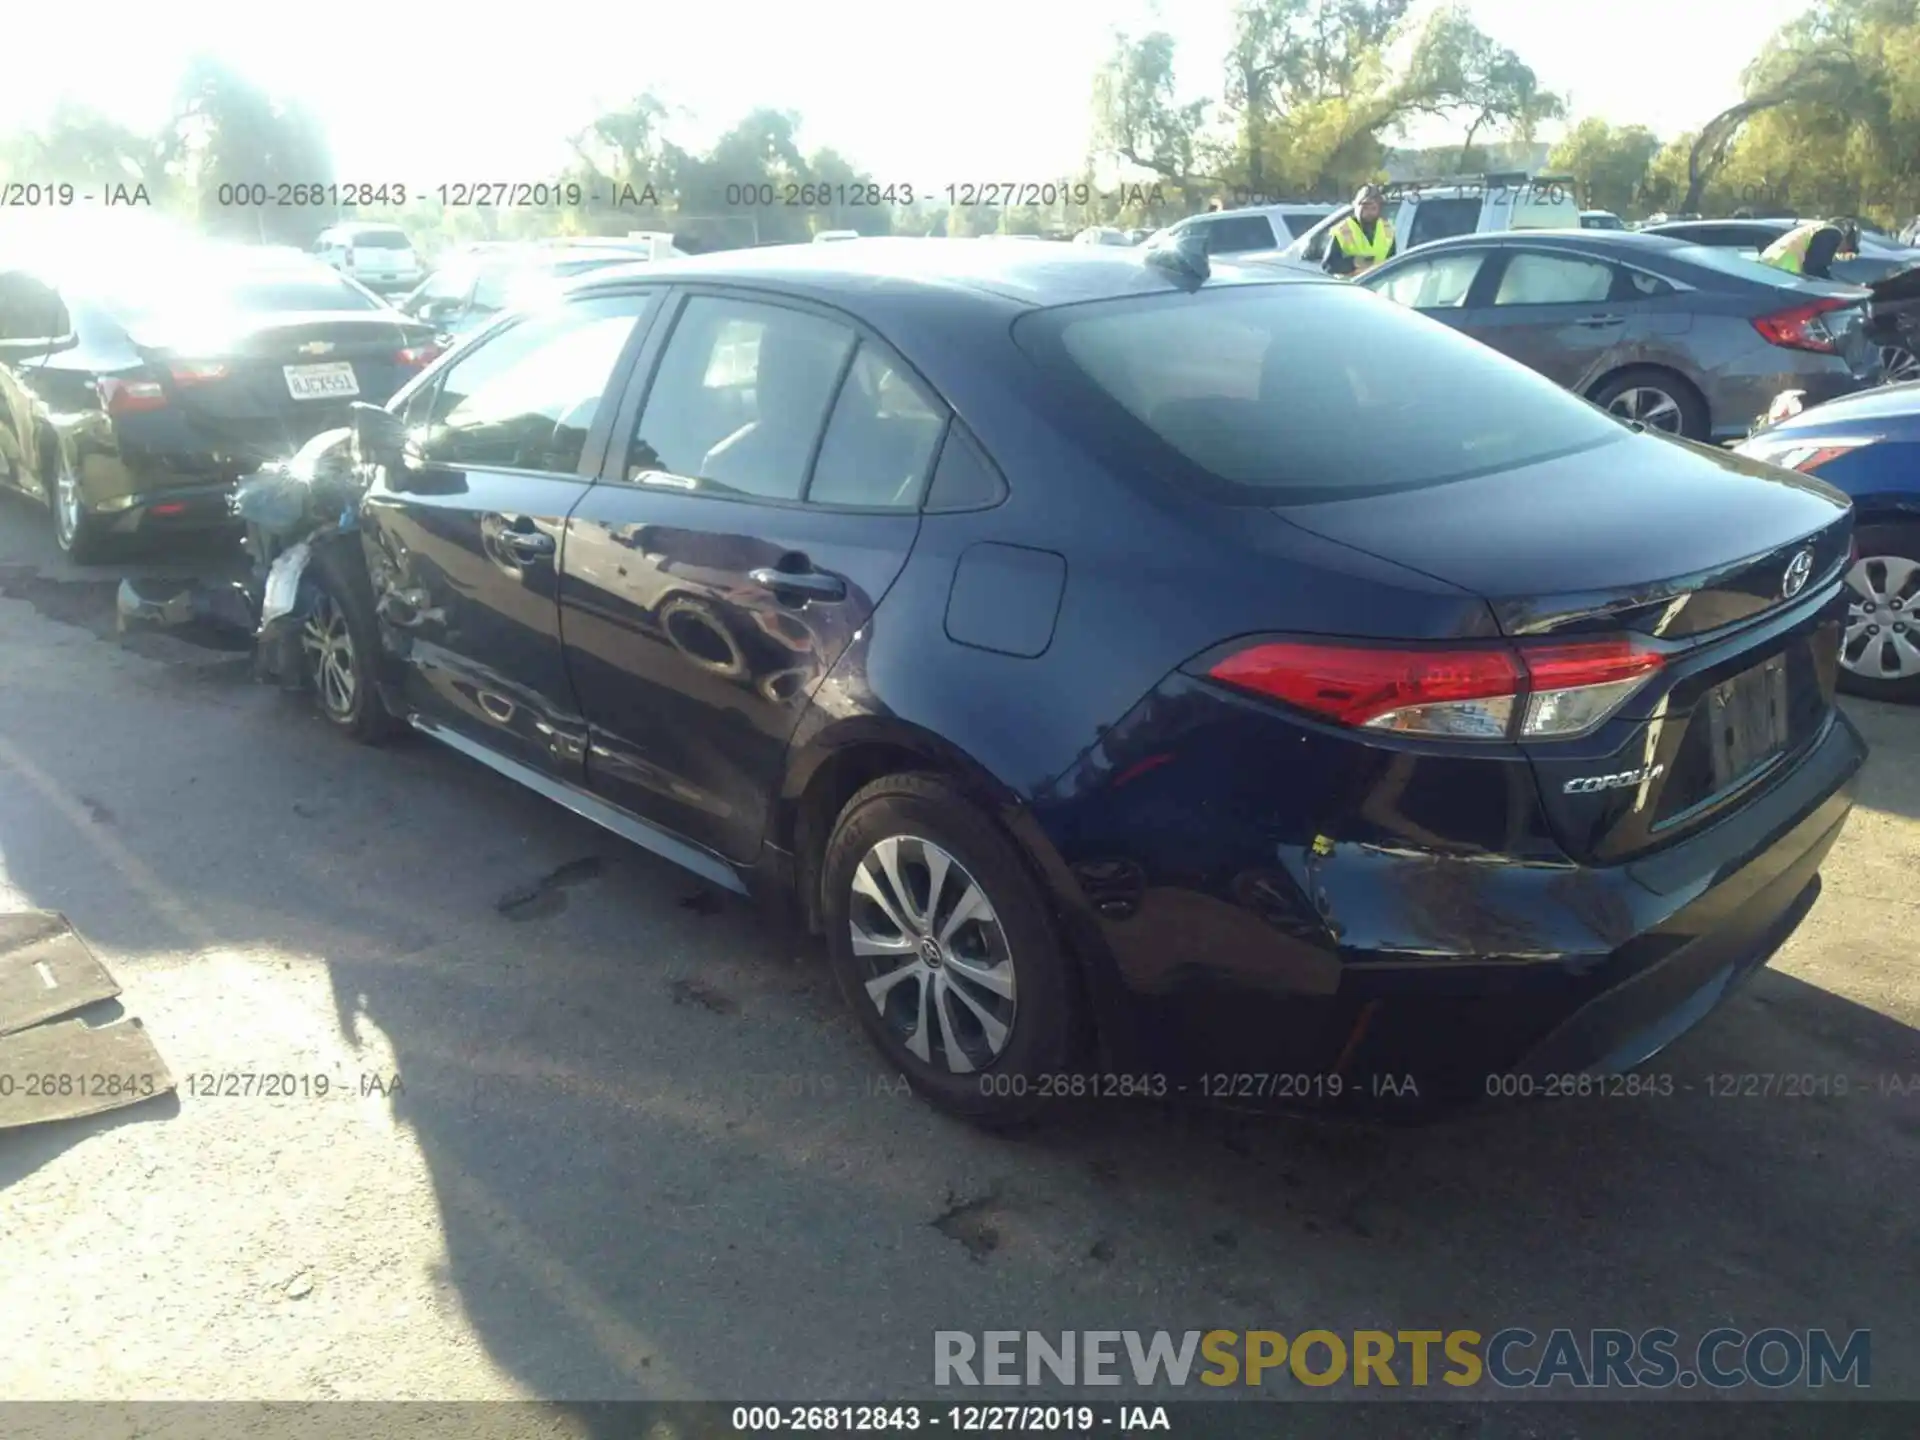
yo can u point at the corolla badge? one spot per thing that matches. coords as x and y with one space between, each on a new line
1799 571
1587 784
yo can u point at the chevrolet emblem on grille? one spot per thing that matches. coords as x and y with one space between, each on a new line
316 347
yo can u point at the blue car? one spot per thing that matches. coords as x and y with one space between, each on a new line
1868 446
1150 679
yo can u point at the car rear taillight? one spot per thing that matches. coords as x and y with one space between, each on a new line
196 372
414 357
130 397
1804 327
1535 691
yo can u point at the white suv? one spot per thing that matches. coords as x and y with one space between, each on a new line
381 257
1238 232
1423 210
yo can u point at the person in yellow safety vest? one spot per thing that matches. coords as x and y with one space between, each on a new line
1811 249
1362 240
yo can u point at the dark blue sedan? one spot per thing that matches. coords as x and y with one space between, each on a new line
1149 681
1868 445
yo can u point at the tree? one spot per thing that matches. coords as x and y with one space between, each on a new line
227 132
1459 71
1137 115
1609 163
81 147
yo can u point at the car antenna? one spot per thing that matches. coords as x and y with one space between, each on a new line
1182 256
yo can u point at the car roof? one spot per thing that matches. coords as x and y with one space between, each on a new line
1623 243
855 274
365 227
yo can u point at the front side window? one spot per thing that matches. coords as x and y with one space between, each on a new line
1296 392
526 398
740 399
1437 219
1535 279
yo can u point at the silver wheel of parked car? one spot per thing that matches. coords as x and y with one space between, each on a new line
329 646
1900 363
941 970
1650 406
1882 640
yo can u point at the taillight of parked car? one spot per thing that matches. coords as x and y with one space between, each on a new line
1804 327
416 357
1535 691
130 397
197 372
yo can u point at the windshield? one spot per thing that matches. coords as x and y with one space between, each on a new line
1291 393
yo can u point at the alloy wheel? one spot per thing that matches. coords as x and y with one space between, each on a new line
940 969
1882 640
329 647
68 514
1650 406
1900 363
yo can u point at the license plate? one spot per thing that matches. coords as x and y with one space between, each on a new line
1748 716
321 382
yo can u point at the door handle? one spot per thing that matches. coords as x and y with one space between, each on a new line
1600 322
814 584
527 544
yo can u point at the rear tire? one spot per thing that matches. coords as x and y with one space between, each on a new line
76 532
1661 399
340 647
984 951
1880 649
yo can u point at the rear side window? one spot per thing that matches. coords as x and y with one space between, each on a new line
1237 234
1437 219
1299 222
1535 279
380 240
880 440
1297 392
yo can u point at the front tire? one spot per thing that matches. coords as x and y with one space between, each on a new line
942 943
1880 648
340 645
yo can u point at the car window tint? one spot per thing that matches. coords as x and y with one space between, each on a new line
1638 285
1534 279
1239 233
880 440
1287 393
525 398
739 400
1299 222
1440 283
1439 218
965 479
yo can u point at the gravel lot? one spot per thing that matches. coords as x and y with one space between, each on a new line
638 1150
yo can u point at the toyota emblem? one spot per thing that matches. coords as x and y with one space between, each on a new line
1799 571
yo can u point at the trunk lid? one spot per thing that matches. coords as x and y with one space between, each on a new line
1730 567
259 387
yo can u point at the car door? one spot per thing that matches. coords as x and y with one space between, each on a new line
1557 312
464 541
1435 285
765 499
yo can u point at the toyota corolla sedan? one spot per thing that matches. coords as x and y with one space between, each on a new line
1207 682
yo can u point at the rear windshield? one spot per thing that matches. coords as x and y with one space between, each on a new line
1741 264
378 239
1299 392
140 298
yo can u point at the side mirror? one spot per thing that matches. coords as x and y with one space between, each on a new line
379 438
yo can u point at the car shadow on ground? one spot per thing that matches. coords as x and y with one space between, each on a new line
666 1164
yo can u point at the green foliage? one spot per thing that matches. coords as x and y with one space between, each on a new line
1609 163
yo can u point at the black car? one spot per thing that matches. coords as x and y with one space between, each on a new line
134 392
1197 683
1682 338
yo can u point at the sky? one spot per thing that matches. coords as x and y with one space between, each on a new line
985 90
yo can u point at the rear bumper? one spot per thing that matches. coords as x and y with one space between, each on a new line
203 506
1387 978
1737 396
